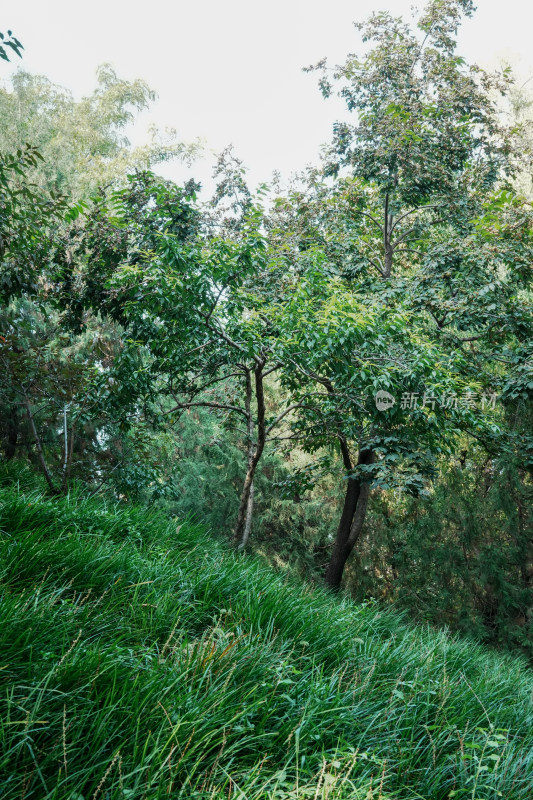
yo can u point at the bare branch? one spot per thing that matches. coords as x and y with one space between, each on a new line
414 211
200 389
368 216
404 236
478 336
377 266
39 448
219 332
272 369
206 404
214 304
282 415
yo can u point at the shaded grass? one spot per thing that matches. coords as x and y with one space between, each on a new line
140 659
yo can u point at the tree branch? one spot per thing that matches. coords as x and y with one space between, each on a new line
221 333
206 404
414 211
370 217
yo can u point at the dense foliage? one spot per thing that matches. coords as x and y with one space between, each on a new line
337 374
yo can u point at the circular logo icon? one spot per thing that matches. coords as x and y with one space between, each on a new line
384 400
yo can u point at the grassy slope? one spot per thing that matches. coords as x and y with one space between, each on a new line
140 660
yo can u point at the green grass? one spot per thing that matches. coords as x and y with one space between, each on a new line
139 659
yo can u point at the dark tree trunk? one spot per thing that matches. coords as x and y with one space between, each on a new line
387 261
388 247
255 451
340 552
351 523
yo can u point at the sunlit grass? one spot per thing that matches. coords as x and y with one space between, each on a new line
139 659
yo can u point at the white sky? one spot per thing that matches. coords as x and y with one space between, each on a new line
230 71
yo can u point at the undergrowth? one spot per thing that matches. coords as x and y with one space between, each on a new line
140 659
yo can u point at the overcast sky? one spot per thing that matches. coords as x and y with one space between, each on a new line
231 71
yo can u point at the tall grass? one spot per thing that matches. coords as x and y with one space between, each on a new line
139 659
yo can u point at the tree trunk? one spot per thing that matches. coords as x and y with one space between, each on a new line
350 525
68 449
39 448
387 261
388 249
255 450
340 552
251 450
248 521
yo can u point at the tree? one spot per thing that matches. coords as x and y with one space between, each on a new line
425 154
83 143
29 218
206 303
177 296
343 353
62 387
